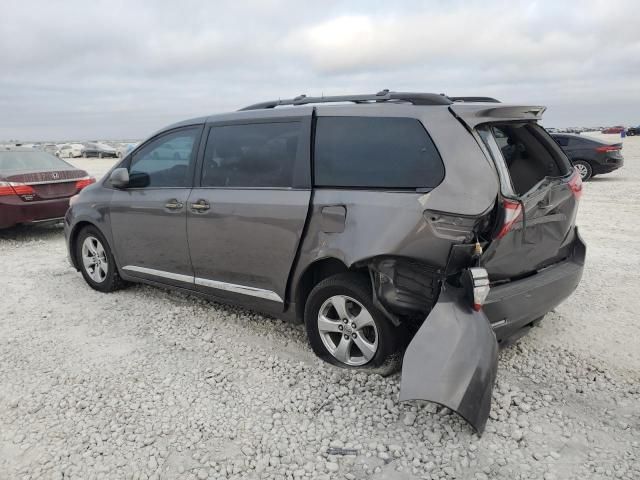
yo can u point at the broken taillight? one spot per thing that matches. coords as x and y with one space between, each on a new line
477 282
512 212
575 184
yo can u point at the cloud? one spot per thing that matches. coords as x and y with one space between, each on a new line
123 69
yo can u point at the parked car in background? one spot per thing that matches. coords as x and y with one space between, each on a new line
99 150
409 224
618 129
51 148
35 186
70 150
632 131
590 156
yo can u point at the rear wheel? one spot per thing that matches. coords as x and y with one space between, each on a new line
584 169
96 261
344 327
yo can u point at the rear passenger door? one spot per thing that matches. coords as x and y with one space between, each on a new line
246 215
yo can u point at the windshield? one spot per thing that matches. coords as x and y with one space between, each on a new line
36 160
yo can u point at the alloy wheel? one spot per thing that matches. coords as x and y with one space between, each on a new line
582 170
94 259
347 330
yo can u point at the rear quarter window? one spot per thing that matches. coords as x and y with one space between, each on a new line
375 152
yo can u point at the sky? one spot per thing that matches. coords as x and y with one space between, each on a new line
123 69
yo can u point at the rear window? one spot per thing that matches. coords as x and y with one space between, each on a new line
36 160
374 152
526 151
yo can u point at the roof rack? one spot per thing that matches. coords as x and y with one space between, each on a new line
474 99
382 96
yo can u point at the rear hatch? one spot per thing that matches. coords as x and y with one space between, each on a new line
534 219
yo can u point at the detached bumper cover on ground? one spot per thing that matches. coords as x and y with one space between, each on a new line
453 358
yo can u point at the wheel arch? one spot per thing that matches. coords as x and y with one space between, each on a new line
73 239
313 274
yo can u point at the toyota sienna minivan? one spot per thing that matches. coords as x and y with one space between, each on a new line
394 222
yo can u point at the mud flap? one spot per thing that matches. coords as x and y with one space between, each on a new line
452 360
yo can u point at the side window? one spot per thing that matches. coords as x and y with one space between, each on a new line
562 141
164 162
258 155
376 153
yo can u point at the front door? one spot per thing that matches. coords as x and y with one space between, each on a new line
148 218
246 217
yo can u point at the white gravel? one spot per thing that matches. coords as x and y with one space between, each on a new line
146 383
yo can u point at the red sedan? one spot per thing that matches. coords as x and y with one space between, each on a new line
35 186
617 129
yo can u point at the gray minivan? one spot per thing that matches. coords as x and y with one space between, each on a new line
391 222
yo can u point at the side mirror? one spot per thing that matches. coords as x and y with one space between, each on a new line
119 178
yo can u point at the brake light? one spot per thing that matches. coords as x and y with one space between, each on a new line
5 189
84 182
608 148
575 184
12 188
512 212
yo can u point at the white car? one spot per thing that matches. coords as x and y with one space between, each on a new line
70 150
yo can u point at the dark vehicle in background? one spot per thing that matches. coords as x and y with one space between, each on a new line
99 151
35 186
377 220
610 130
590 156
632 131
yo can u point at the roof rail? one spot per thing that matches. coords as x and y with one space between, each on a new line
382 96
474 99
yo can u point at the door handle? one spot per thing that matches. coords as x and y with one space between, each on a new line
200 206
174 204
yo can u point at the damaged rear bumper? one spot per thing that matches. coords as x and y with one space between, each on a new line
514 305
452 360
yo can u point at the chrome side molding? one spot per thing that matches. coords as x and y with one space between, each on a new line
159 273
228 287
231 287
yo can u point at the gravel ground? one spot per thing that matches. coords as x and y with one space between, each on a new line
146 383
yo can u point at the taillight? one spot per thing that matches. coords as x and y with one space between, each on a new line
5 189
476 281
84 182
575 184
608 148
13 188
512 212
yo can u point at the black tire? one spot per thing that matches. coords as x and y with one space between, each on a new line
584 169
357 287
111 280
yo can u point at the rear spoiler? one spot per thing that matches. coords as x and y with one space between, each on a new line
474 115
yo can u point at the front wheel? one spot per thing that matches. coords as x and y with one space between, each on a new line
584 169
96 261
343 325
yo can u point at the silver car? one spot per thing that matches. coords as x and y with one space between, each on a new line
387 223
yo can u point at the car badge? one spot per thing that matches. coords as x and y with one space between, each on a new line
55 175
